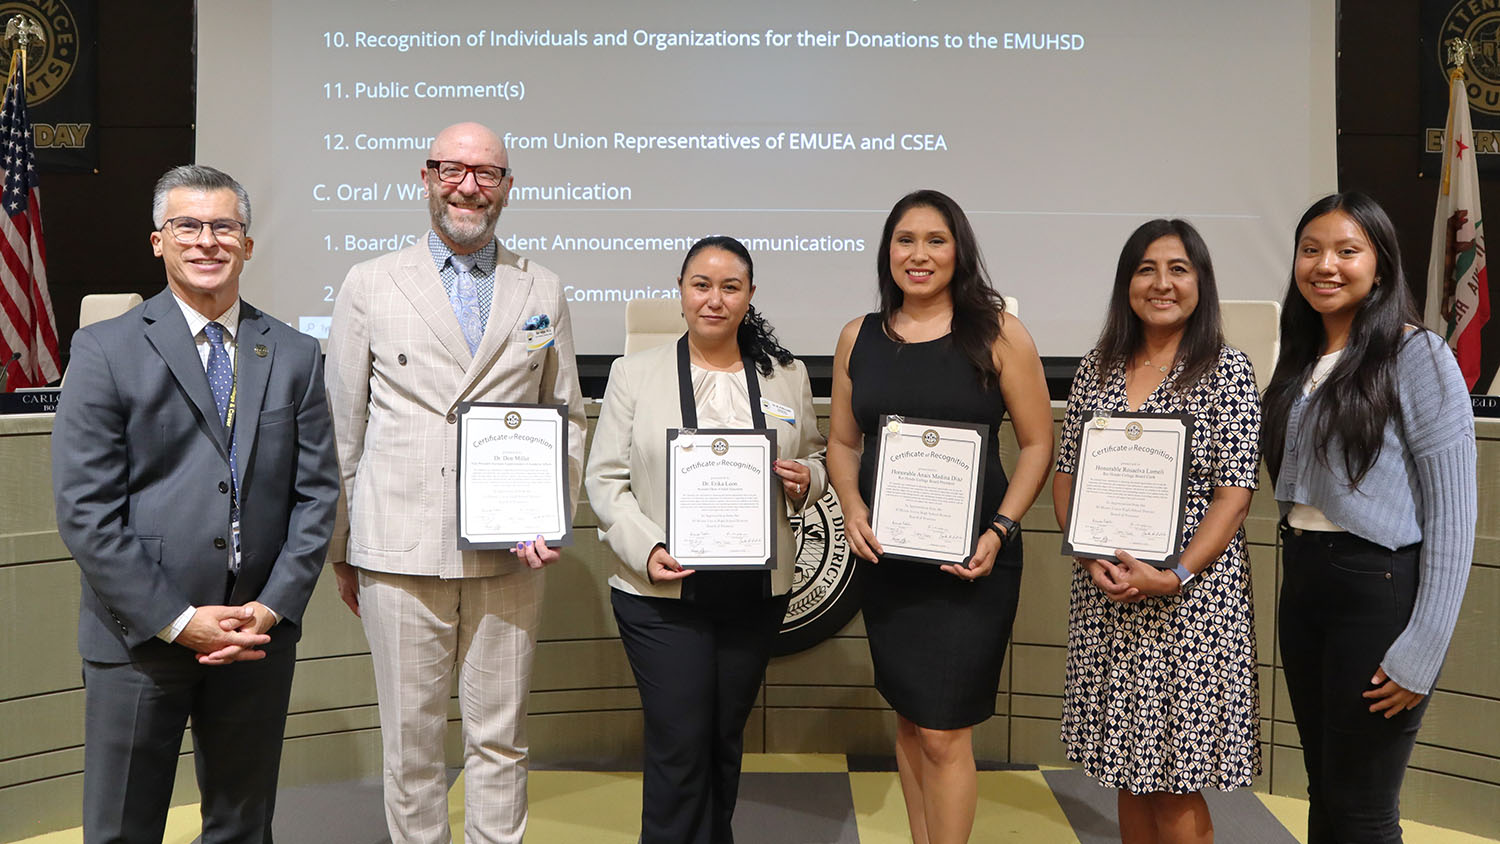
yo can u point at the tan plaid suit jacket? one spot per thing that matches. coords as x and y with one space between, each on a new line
397 368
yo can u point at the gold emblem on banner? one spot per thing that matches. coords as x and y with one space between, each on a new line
51 55
1479 24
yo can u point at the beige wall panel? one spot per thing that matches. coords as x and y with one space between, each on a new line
1284 734
991 740
333 683
1282 705
42 723
584 664
39 628
584 702
1042 613
574 740
837 661
333 757
1038 670
26 483
1036 706
328 627
824 697
1472 661
1264 594
40 807
41 766
1451 721
862 732
1288 776
1472 766
755 729
352 719
1451 802
1267 677
576 604
1034 741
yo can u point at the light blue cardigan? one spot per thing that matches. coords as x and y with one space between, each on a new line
1421 489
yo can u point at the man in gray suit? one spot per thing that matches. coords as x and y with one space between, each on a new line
456 317
196 482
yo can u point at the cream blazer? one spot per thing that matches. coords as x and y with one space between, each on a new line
398 367
627 462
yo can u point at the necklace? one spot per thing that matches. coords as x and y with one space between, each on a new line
1161 368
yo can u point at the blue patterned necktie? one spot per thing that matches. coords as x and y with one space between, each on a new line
466 301
221 381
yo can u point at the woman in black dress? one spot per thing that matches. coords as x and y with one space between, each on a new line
941 347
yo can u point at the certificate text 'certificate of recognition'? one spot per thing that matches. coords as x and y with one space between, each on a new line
512 475
928 475
719 498
1129 487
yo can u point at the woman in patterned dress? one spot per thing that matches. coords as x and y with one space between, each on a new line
1162 696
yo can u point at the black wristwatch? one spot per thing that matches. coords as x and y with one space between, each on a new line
1006 528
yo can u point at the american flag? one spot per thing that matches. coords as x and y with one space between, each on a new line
27 325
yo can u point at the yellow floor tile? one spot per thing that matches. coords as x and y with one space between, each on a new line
568 807
795 763
1014 806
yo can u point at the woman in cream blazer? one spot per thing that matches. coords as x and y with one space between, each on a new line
698 641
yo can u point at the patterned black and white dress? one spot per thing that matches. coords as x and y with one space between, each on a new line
1162 694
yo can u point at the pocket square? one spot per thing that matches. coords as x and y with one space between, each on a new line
536 322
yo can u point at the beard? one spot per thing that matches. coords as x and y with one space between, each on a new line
467 233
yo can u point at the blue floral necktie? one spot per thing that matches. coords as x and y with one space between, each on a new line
466 302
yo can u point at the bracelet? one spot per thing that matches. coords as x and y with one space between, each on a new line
1005 528
1183 575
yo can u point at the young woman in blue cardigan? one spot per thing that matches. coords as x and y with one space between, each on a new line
1369 437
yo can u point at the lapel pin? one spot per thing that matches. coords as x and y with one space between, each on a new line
260 351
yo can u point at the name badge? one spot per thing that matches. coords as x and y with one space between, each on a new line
539 338
779 411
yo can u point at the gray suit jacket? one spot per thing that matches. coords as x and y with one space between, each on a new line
398 367
140 471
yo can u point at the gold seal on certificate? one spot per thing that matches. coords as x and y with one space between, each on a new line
1129 487
719 498
512 475
928 478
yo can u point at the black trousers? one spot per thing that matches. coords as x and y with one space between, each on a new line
1344 600
134 718
698 667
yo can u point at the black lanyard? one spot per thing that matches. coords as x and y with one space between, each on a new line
685 388
720 587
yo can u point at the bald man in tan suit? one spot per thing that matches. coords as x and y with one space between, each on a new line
455 317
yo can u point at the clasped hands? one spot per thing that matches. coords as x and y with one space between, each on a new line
1129 580
222 634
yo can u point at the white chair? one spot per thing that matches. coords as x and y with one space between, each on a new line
97 307
1254 327
1012 306
652 322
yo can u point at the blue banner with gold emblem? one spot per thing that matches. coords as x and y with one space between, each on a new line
61 79
1477 21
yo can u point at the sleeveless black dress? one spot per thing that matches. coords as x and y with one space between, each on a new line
937 641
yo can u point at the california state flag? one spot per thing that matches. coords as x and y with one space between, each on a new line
1458 293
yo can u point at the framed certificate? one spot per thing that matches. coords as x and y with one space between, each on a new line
513 475
1129 487
928 478
719 498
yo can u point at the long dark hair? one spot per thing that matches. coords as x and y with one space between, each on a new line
1123 332
1359 395
756 337
977 308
